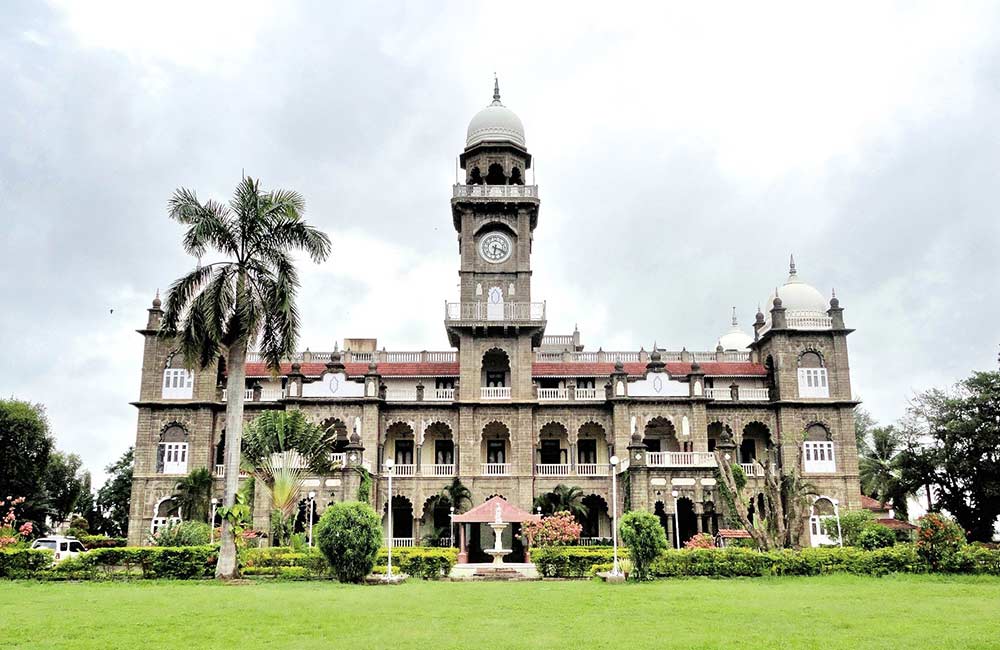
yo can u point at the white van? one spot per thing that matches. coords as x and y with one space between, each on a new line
63 547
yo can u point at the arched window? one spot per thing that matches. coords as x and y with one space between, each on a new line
823 509
812 376
818 450
515 177
495 175
475 177
172 451
177 384
165 513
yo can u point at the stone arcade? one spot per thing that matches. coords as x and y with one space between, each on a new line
512 411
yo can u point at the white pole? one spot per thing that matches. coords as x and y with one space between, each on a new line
615 569
388 509
836 511
312 497
677 532
211 527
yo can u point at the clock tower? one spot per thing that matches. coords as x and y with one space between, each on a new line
495 324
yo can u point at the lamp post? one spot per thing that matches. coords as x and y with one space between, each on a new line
451 526
388 509
615 569
312 499
677 532
836 511
211 527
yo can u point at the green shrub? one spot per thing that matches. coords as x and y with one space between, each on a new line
852 523
938 539
153 561
272 561
419 561
184 533
571 561
281 572
349 535
23 562
643 535
876 536
102 541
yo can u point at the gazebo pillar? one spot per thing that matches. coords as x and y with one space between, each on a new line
463 551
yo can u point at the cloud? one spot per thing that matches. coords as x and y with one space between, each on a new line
682 153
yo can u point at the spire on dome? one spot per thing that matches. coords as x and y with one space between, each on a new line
496 89
734 316
791 265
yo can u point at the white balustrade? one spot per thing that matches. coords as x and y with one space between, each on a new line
754 394
220 472
482 311
362 357
552 393
807 320
680 458
339 459
557 339
743 394
735 356
402 542
399 357
247 395
591 469
593 541
495 392
495 192
548 357
408 469
441 394
401 394
589 393
703 356
443 469
496 469
551 469
272 394
721 394
752 469
441 357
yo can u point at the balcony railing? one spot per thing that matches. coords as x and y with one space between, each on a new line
443 469
401 394
551 469
589 394
752 469
401 469
247 394
495 392
441 394
220 472
742 394
504 311
552 393
496 469
680 459
600 356
402 542
591 469
495 192
266 394
339 459
593 541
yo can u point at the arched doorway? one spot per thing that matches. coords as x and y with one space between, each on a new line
666 522
660 435
402 521
687 520
596 524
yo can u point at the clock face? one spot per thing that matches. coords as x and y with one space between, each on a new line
495 247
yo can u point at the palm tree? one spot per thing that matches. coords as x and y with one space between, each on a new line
278 448
563 498
192 494
246 298
879 468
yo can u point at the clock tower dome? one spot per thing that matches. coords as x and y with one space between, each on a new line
495 214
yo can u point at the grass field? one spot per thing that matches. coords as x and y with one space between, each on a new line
828 612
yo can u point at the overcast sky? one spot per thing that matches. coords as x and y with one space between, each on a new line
681 156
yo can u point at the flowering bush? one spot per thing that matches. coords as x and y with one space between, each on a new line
938 539
558 529
12 535
701 540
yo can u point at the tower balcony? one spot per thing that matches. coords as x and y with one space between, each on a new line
500 313
496 192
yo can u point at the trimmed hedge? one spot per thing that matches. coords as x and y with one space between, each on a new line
24 562
92 542
419 562
154 561
577 562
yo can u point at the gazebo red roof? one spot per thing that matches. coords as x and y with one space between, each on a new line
733 533
487 512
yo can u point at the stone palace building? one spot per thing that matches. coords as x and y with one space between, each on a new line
513 411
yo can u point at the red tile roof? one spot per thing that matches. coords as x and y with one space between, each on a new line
733 533
895 524
569 369
869 503
486 512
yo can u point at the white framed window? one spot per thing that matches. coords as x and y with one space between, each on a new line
817 456
812 382
172 458
177 384
165 514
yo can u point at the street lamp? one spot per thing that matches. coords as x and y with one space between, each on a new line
677 532
312 499
211 528
615 569
836 511
451 527
388 509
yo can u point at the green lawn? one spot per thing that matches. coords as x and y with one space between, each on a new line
824 613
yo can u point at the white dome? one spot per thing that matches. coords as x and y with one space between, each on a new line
495 123
735 338
798 298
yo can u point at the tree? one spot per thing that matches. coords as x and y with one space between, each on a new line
563 498
643 535
192 494
781 503
115 496
63 484
349 534
278 447
863 424
952 445
880 471
221 308
25 447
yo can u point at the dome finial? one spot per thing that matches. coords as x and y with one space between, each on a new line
496 89
791 265
734 316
